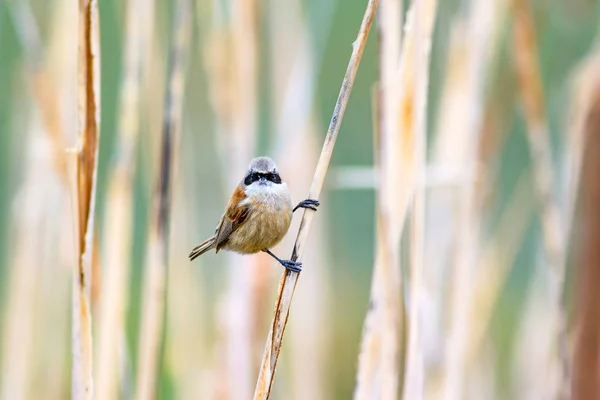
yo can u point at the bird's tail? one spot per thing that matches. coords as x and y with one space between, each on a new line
202 248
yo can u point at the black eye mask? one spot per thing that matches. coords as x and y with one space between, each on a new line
253 177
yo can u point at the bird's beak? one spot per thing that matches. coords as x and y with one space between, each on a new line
263 180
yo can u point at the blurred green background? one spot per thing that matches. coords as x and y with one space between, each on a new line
566 32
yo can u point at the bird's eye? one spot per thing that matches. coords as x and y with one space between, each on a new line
275 178
251 178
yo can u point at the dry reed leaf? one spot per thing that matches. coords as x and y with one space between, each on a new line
86 168
553 232
154 290
289 279
46 96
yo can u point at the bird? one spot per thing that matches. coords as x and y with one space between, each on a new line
257 216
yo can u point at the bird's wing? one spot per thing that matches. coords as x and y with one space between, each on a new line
235 215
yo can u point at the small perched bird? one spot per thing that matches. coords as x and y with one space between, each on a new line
257 216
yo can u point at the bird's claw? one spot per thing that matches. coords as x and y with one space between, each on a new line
311 204
293 266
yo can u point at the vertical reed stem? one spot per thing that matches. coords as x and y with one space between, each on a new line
87 152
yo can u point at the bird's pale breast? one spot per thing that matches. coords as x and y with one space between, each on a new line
268 222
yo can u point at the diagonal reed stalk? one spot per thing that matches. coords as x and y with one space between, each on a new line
84 195
155 281
294 60
289 279
119 212
553 238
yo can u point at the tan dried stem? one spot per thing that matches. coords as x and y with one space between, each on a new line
84 194
531 91
289 279
119 212
155 282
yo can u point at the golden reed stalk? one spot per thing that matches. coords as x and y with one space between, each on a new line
84 195
289 279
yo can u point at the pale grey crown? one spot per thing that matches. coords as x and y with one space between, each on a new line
262 164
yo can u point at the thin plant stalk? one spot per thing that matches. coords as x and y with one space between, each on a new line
119 212
155 283
553 239
289 279
84 196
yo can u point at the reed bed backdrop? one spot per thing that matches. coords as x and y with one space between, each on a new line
455 251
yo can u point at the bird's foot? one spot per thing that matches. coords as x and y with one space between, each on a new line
293 266
311 204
